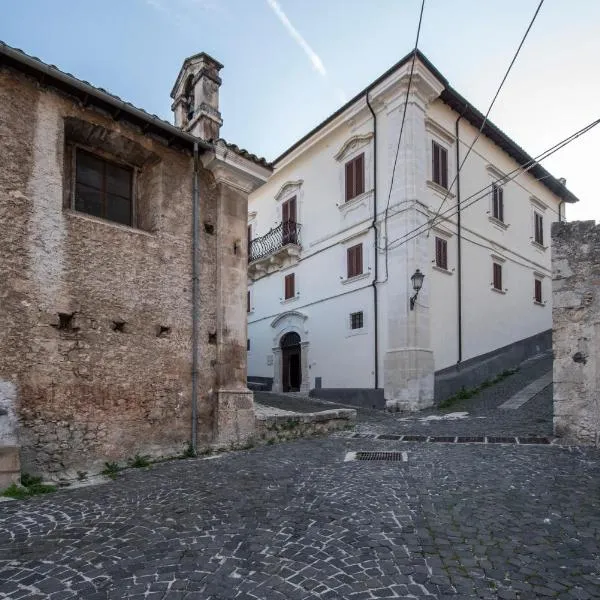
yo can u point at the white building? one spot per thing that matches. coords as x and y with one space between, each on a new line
332 248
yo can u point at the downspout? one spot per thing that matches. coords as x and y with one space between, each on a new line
373 226
458 245
560 209
195 296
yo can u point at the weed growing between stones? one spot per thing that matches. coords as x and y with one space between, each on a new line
30 486
139 461
111 469
189 452
466 394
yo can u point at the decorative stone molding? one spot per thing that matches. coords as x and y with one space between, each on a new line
352 145
288 189
290 315
537 203
495 172
438 131
234 170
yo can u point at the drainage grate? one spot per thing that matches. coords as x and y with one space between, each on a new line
501 440
442 438
415 438
533 440
388 436
470 440
377 456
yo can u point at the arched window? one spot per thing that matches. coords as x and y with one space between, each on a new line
189 96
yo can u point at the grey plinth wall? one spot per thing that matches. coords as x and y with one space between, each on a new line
576 330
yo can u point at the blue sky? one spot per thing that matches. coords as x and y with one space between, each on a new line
274 90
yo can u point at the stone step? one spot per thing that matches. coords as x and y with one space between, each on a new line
10 466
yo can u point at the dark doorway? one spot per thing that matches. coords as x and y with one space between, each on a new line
291 376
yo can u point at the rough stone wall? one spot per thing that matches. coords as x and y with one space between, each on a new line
82 392
576 330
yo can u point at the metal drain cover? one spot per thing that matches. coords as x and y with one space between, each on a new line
377 456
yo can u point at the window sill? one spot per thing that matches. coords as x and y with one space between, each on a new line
354 201
538 246
493 289
539 303
290 300
354 332
355 278
90 218
442 270
498 223
439 189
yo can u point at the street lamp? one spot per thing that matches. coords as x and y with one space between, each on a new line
417 283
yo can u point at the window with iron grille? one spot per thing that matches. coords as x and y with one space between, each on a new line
290 286
355 177
539 228
356 320
103 188
354 257
497 277
498 202
440 164
441 253
537 290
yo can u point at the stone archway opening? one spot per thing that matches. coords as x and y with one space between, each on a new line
291 362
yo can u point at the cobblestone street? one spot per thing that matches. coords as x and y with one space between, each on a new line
295 520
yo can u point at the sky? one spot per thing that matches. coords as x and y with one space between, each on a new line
288 64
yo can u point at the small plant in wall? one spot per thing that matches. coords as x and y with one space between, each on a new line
111 469
139 461
30 486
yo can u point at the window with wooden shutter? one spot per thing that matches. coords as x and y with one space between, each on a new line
290 286
355 260
355 177
440 164
441 253
537 290
539 228
498 202
248 302
497 277
288 222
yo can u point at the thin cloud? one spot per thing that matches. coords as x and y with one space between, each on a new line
317 63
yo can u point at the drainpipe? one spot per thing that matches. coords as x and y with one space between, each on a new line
560 209
195 296
373 226
458 245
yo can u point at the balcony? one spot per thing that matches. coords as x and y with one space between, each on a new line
276 249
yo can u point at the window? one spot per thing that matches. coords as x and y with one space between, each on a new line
440 164
497 277
538 228
103 188
248 344
290 285
356 320
497 202
355 177
441 253
288 222
537 290
249 238
355 260
248 309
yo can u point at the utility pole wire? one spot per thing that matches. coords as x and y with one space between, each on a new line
410 76
485 118
483 192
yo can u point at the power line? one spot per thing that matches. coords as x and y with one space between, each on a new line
485 118
410 76
485 190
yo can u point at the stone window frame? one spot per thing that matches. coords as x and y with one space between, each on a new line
350 150
71 149
364 330
443 138
538 277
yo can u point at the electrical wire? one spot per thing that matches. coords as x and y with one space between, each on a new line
485 118
484 192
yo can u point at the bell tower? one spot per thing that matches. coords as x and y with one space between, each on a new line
196 97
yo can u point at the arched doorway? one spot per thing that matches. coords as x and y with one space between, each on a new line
291 364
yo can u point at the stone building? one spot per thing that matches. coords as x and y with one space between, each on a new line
349 216
122 269
576 330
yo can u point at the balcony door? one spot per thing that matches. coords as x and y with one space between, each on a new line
288 221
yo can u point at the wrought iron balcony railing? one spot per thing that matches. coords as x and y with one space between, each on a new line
287 232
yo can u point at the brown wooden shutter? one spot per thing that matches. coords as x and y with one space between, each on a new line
359 173
358 260
436 162
248 302
444 167
498 276
501 204
538 290
444 245
290 291
349 180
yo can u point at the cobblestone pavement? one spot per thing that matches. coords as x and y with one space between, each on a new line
295 521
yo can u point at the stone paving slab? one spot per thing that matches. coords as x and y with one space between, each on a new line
527 393
296 521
